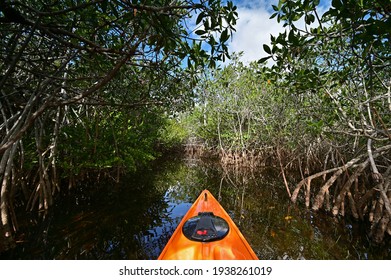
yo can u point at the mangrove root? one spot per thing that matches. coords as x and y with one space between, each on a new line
351 194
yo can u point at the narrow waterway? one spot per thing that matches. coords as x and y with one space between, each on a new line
135 218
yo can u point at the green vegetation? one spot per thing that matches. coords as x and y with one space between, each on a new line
322 109
87 86
98 86
241 110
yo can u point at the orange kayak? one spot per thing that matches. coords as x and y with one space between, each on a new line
207 232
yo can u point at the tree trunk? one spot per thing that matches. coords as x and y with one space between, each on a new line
6 172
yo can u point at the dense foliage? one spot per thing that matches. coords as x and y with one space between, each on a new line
89 84
322 108
98 85
242 109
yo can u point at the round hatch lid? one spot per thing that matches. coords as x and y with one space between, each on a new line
205 227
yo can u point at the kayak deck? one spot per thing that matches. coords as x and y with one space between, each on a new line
233 246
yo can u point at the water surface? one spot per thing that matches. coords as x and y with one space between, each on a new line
135 218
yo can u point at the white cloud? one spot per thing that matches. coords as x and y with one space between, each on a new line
253 29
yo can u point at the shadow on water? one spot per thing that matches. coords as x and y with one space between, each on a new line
135 218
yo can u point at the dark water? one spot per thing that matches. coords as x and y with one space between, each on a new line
135 218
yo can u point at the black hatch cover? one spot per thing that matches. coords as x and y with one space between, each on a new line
205 227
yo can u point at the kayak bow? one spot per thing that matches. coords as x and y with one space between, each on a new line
207 232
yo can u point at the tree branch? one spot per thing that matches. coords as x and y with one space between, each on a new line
375 172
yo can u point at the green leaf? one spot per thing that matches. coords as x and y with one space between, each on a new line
336 3
280 3
200 32
224 36
292 38
267 49
309 19
207 25
200 17
264 59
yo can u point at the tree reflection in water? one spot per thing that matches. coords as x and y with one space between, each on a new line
135 219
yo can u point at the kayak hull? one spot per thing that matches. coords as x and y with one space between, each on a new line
232 247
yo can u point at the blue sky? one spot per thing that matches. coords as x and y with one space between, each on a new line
254 27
